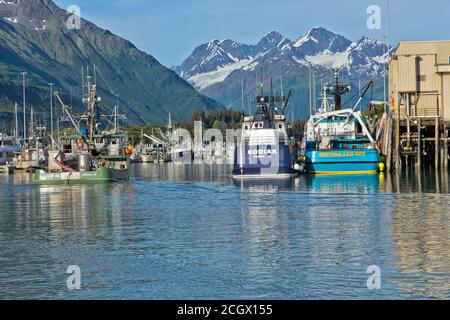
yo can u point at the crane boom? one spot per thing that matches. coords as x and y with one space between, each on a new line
67 112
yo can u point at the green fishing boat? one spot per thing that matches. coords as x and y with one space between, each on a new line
101 175
89 155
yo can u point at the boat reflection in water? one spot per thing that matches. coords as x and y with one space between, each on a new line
367 183
192 232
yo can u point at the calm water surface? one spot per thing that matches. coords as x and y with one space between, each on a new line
177 232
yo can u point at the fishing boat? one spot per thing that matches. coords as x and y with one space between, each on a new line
33 154
264 150
89 156
8 149
338 141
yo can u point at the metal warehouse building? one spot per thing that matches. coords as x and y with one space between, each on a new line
419 84
419 77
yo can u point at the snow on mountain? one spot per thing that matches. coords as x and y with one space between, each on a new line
204 80
272 40
318 40
212 56
32 14
213 62
328 59
220 58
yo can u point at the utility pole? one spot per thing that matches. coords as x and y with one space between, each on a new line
51 115
24 109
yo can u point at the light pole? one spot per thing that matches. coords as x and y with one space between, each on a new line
51 115
24 108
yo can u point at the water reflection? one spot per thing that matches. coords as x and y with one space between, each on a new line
176 231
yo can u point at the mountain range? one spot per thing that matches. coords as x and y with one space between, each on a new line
34 38
220 67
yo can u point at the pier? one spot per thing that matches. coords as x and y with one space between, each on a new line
417 128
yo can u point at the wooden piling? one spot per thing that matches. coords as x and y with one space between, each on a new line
419 146
389 143
397 145
446 145
436 144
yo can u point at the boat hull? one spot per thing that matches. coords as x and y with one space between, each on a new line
101 175
342 161
273 161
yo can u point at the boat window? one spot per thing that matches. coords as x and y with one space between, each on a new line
359 128
246 128
280 126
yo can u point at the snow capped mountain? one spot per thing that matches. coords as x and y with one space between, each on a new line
222 57
272 40
214 55
218 68
319 40
214 62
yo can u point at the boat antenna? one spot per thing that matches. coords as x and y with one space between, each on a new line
95 75
261 83
272 98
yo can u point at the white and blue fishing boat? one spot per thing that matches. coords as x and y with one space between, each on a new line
337 141
264 150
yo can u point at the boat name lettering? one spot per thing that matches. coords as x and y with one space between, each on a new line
341 154
262 152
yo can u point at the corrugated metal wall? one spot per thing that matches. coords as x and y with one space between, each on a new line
415 71
446 96
407 74
428 78
443 53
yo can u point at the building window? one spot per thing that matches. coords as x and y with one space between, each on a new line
448 59
422 77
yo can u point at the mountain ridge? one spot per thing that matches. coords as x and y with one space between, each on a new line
319 50
34 38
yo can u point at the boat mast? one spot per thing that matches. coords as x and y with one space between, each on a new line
24 109
337 93
16 132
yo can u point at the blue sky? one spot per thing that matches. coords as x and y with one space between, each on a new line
170 29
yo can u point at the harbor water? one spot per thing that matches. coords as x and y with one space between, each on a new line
191 232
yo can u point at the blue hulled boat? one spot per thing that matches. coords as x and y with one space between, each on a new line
337 141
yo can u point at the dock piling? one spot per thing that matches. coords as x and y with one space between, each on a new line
436 144
419 145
